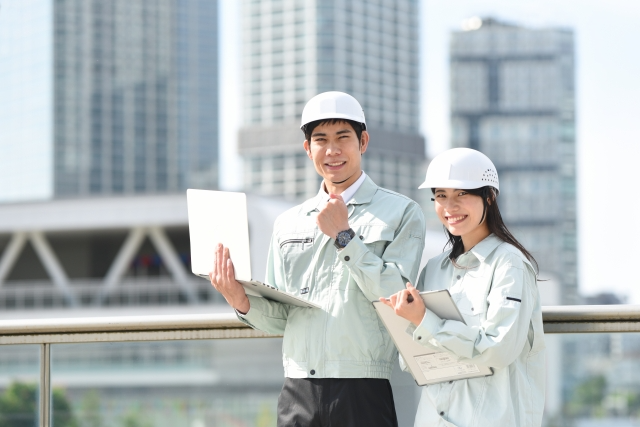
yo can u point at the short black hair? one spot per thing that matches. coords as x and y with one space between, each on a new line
309 127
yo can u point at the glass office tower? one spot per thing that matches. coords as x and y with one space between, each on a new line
513 98
295 49
131 96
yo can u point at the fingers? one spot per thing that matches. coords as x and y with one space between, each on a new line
393 300
412 290
218 263
386 302
336 197
231 275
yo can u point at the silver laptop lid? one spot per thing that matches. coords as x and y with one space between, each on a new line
218 217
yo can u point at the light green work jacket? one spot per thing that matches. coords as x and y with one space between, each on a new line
497 295
345 338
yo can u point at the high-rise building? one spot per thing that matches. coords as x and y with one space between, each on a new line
513 98
107 97
295 49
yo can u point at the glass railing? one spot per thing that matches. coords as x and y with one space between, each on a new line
211 370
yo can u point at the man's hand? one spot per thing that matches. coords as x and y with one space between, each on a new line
224 280
334 217
412 309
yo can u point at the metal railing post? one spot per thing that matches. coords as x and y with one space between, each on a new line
45 385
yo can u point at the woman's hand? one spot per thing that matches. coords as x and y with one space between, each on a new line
407 304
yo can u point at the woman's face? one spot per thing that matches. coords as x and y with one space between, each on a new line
460 212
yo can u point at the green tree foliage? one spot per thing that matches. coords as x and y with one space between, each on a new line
588 396
135 418
90 415
19 407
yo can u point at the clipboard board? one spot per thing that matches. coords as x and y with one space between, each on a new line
427 365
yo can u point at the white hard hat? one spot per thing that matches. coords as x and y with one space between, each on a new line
461 168
332 105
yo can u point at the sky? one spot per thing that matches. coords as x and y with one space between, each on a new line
607 104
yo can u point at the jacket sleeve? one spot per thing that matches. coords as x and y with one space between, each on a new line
499 338
266 315
382 276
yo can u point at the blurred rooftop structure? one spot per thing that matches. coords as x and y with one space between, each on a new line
110 252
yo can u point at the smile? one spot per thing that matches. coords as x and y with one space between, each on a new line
456 219
335 164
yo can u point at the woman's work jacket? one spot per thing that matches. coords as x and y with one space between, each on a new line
498 298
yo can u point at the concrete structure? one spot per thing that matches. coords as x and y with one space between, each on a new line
512 97
113 97
294 50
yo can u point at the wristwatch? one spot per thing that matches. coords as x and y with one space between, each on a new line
343 238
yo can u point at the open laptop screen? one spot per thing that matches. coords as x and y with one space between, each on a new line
218 217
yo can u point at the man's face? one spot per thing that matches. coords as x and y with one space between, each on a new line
336 153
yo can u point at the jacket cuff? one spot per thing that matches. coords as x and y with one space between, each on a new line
427 328
353 252
254 313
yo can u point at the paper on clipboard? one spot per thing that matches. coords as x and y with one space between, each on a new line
427 364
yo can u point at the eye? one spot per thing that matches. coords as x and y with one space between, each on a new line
440 196
462 193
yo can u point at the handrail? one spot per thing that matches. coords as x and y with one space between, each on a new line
557 319
568 319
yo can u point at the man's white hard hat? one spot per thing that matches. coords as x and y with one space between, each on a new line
332 105
461 168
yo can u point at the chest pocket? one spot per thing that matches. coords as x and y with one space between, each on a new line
473 307
376 237
297 253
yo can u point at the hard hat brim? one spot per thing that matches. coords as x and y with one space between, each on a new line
457 184
336 116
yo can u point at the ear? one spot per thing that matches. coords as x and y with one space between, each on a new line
307 148
364 141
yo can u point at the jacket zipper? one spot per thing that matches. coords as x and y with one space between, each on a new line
305 240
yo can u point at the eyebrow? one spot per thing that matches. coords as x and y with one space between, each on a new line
340 132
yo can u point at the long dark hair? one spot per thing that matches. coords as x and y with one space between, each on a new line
496 225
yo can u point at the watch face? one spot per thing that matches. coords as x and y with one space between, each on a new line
343 238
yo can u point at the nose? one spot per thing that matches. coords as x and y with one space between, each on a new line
450 204
333 149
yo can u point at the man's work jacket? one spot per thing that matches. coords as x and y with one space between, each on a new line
345 338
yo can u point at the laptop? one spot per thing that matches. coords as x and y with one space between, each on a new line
221 217
426 364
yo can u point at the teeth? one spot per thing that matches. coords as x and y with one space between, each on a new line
456 218
335 164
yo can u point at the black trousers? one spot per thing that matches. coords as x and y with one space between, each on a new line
336 402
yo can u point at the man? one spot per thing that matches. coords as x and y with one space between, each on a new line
351 244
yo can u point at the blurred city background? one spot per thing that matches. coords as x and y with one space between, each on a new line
111 109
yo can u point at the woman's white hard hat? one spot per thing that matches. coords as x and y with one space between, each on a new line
332 105
461 168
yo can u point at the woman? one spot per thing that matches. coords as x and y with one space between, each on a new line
492 279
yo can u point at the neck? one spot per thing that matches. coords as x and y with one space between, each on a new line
338 188
476 236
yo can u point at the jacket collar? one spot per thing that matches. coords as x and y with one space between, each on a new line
363 196
482 250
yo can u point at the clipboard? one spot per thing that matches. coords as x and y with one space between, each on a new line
427 365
